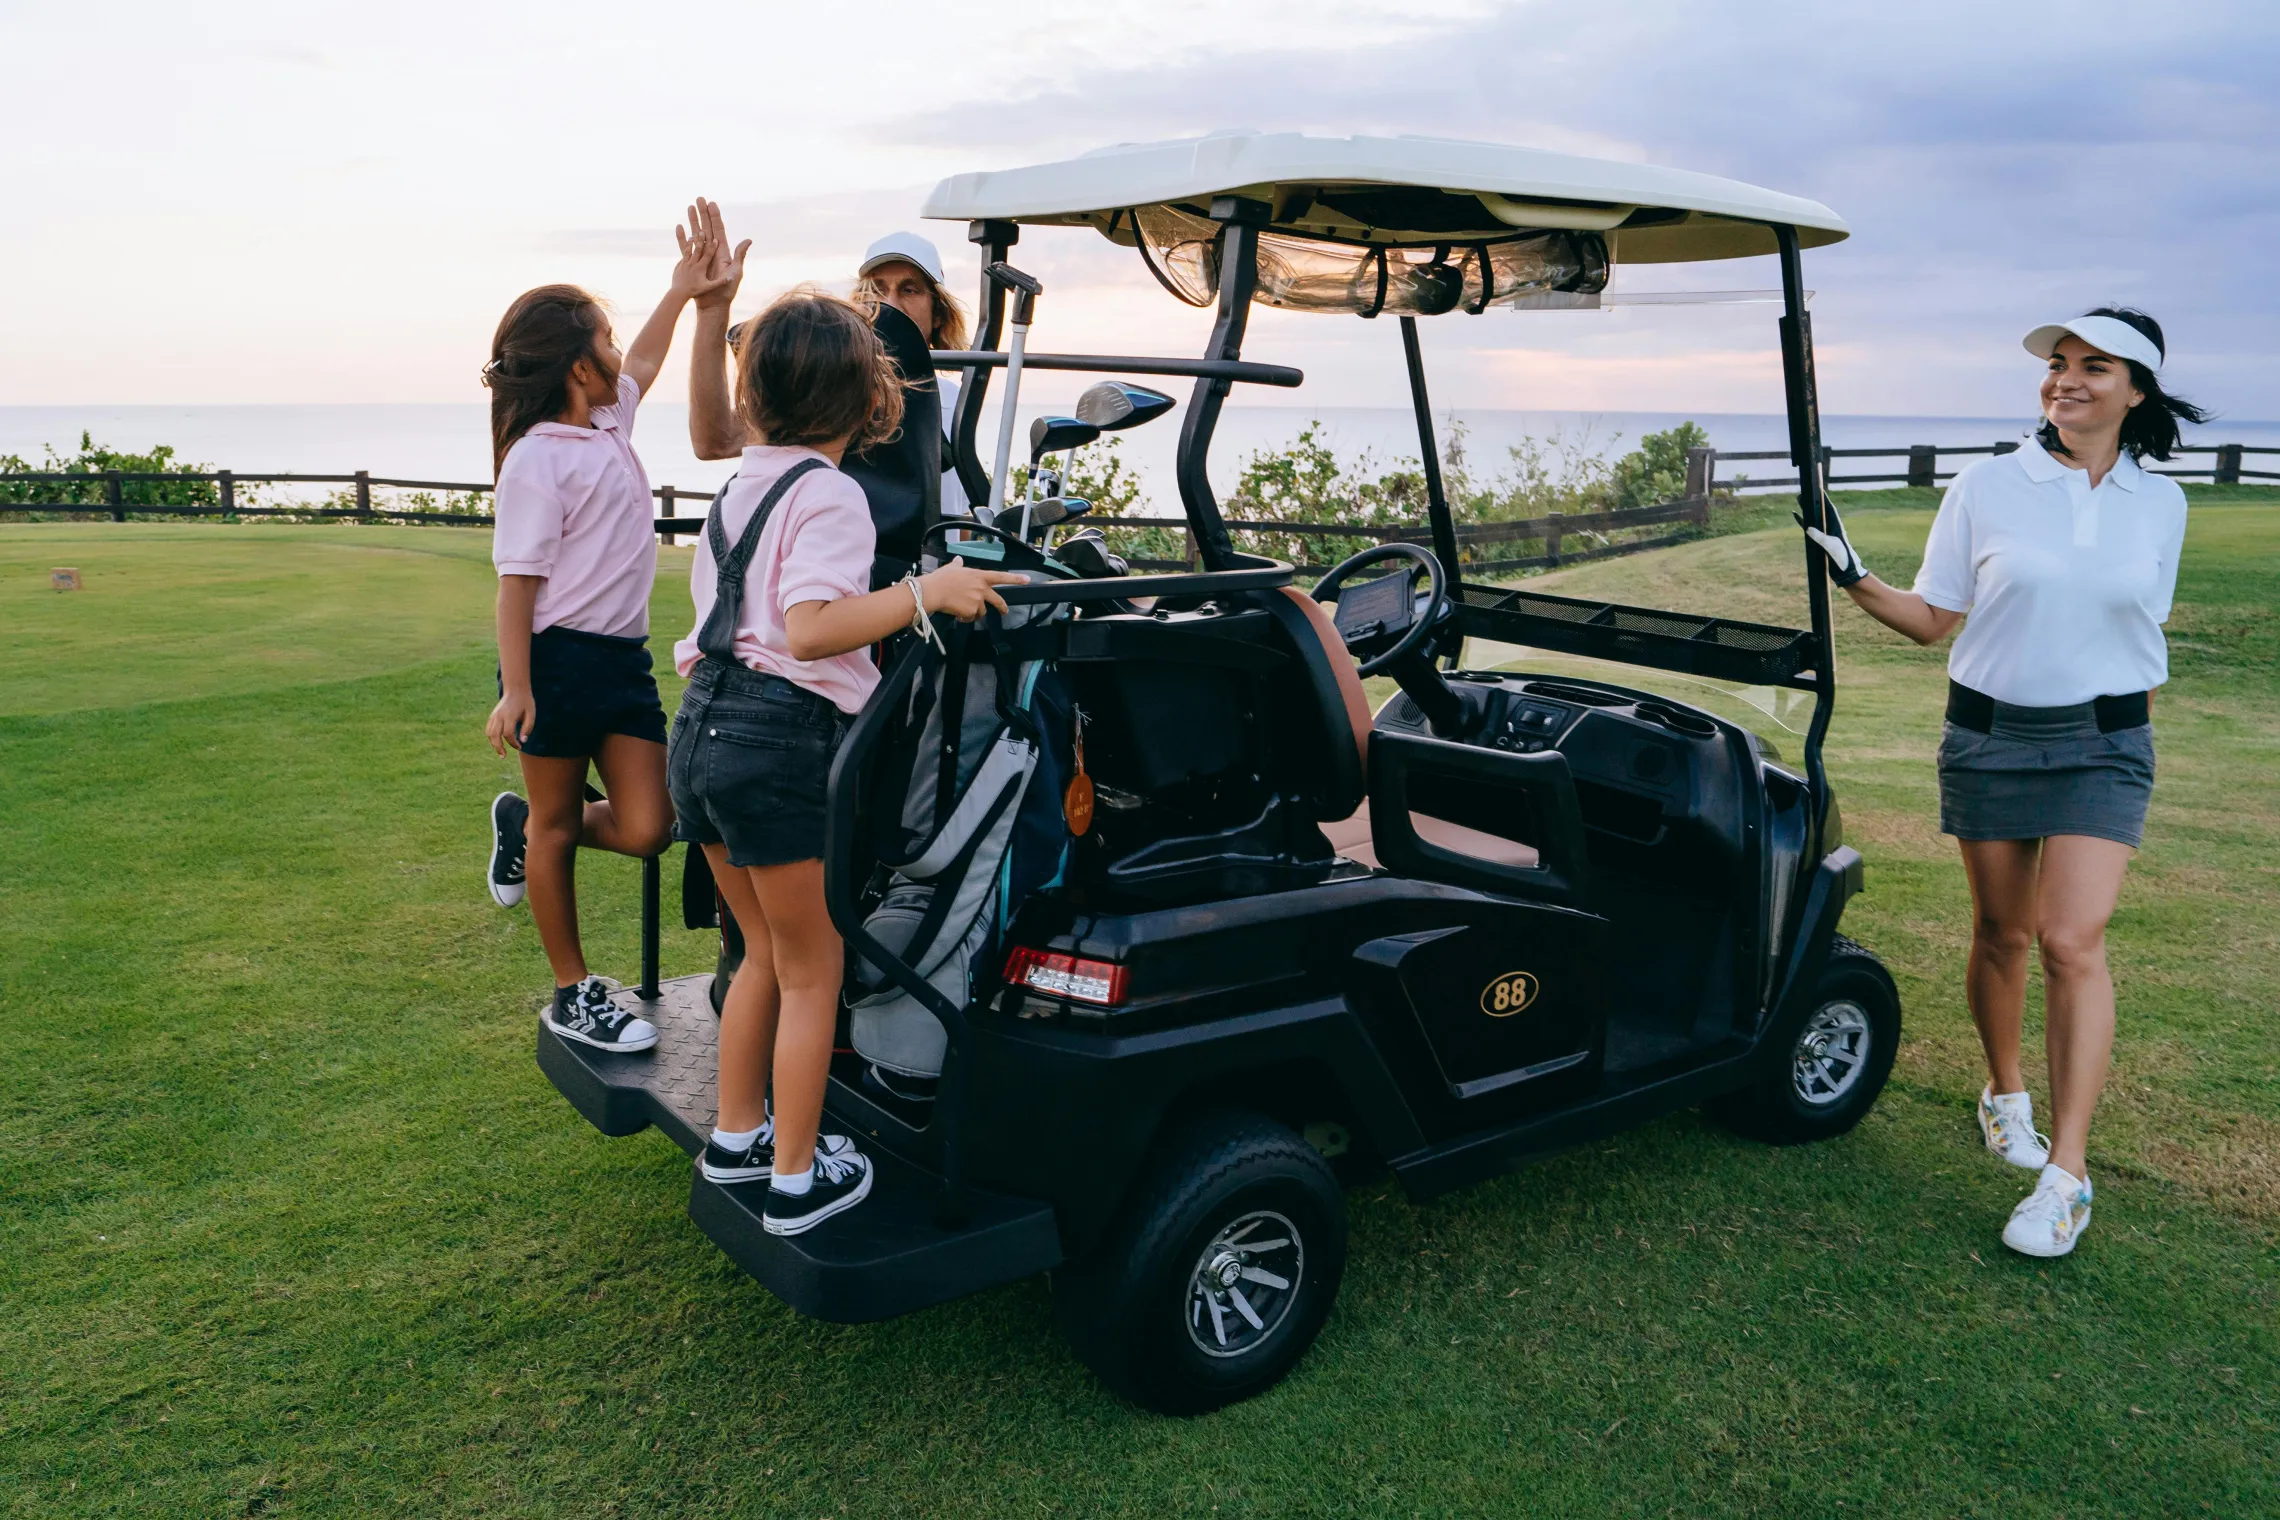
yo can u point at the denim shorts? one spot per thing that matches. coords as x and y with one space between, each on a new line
750 763
585 686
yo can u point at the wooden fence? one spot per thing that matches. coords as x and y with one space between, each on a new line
2228 465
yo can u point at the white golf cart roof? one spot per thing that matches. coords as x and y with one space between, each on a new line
1397 191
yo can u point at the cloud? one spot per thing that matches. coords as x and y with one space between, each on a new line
1996 163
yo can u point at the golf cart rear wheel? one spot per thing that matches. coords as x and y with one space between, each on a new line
1218 1274
1831 1063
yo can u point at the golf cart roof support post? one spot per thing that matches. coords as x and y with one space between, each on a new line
995 239
1239 223
1436 498
1804 406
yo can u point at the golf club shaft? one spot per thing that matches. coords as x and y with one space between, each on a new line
1005 417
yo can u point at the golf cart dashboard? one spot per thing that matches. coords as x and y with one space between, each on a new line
1642 765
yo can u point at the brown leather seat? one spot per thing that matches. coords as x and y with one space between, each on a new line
1350 836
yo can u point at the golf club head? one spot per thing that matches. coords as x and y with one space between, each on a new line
1050 435
1112 406
1056 509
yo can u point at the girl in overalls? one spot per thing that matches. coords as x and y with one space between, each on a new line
777 664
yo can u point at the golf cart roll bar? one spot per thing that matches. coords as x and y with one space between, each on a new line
1804 406
1239 221
996 239
1240 371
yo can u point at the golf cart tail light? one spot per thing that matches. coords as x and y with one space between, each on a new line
1065 976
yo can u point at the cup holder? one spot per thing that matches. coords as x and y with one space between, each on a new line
1678 720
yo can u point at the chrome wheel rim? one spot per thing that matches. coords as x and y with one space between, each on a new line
1243 1284
1832 1052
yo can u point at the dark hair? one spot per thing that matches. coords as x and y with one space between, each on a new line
809 370
2150 427
542 336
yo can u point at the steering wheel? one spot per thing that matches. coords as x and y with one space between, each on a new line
1385 608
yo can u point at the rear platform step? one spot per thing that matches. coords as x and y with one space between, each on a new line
885 1257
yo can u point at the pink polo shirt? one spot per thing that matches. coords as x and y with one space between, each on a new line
817 547
573 505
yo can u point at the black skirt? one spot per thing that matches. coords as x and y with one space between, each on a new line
2040 771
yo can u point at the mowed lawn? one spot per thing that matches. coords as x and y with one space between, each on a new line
290 1223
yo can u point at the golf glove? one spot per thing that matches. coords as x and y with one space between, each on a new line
1845 567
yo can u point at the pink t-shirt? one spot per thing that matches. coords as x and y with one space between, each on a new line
817 547
573 505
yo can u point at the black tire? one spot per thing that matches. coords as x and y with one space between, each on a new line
1134 1310
1855 1013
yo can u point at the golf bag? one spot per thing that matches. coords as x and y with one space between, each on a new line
981 828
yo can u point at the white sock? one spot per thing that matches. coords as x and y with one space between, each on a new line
737 1140
795 1183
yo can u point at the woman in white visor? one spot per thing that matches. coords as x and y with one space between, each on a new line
904 270
2059 562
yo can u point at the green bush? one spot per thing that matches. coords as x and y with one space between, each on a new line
87 467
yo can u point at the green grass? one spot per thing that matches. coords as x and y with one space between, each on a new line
290 1224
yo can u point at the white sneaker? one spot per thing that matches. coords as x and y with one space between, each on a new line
2052 1217
2007 1124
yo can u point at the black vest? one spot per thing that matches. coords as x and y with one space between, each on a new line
902 477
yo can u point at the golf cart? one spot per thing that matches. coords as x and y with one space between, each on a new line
1156 933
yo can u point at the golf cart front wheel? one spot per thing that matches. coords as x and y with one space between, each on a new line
1219 1273
1825 1070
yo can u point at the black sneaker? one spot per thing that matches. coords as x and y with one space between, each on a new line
508 815
586 1014
842 1180
750 1164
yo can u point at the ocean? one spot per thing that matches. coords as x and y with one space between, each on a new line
450 442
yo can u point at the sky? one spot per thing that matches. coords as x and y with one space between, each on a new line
260 203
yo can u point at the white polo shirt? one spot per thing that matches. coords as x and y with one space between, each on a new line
2066 587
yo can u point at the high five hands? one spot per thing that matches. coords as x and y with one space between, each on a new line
708 270
718 268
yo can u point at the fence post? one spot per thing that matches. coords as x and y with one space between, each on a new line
1701 469
114 495
670 496
2006 446
1552 542
364 493
1187 536
2228 464
228 483
1923 464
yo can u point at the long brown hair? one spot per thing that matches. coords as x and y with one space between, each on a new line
949 326
809 370
540 339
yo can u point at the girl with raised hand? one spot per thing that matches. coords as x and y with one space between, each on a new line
576 554
777 664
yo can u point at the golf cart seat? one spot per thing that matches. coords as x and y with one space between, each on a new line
1221 740
1350 837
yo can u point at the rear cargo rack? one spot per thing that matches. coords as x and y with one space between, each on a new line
1753 653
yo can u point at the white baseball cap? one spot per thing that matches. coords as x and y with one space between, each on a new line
2108 335
903 248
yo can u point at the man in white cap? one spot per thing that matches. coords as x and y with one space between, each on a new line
904 270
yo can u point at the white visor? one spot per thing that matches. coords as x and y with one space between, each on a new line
903 248
2108 335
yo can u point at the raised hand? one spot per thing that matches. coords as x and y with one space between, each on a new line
725 269
693 273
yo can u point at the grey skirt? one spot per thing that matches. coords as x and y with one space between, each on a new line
2045 771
